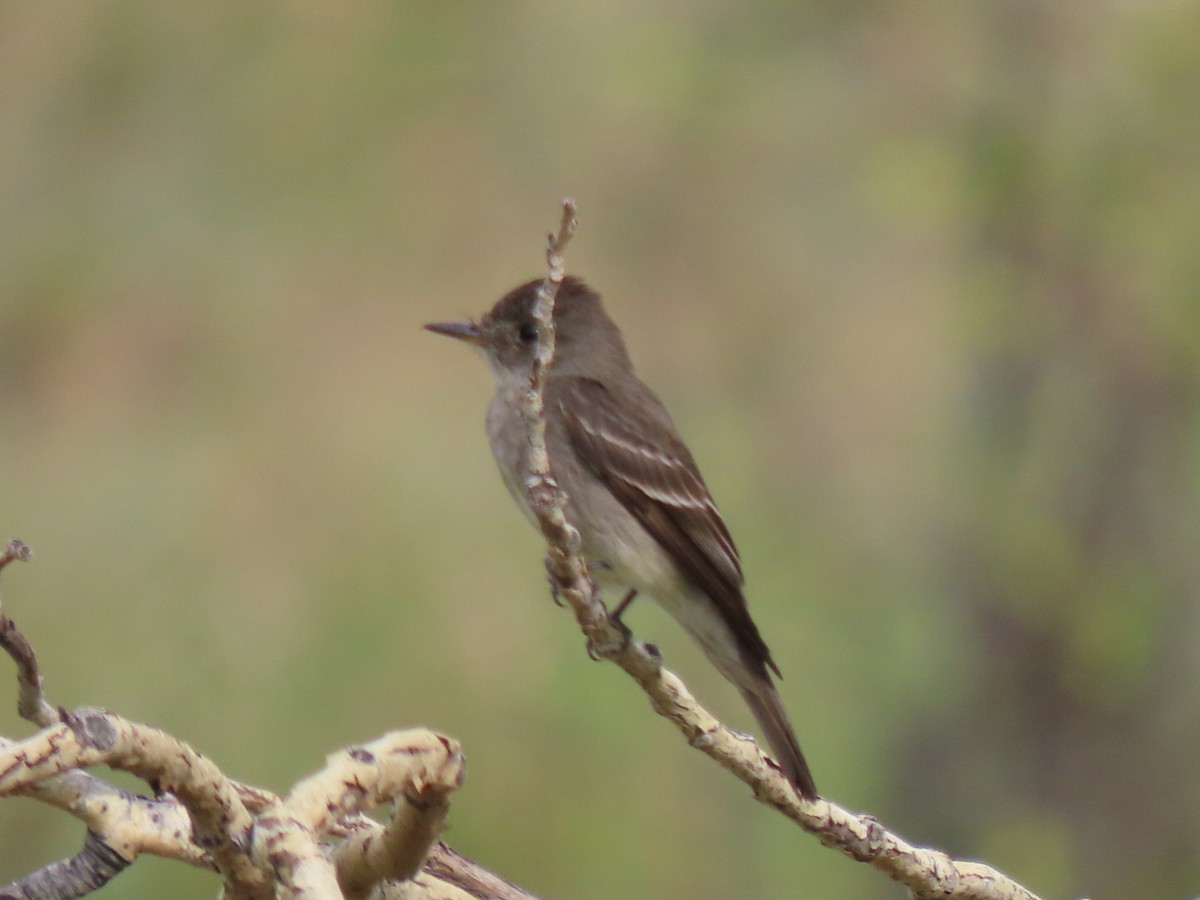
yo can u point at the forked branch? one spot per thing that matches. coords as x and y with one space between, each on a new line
316 843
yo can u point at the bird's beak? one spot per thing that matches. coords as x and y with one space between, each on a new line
463 331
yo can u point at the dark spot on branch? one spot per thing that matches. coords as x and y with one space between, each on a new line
92 728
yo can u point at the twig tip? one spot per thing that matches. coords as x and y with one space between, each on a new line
16 550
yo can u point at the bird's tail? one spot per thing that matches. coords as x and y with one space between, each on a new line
763 701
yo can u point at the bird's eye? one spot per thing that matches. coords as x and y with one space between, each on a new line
528 333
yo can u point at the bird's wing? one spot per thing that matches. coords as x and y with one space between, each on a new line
649 469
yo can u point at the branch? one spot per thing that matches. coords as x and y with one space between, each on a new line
317 843
568 571
543 491
30 703
289 845
455 869
88 870
926 873
93 737
419 767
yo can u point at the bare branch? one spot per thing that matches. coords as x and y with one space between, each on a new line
31 705
927 873
454 868
126 822
16 551
419 767
543 313
88 870
94 737
415 769
546 499
309 845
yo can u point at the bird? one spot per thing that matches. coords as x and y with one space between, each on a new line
646 519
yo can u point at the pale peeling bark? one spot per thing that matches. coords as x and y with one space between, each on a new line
316 843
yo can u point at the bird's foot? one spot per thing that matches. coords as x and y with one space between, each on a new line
614 619
615 615
555 587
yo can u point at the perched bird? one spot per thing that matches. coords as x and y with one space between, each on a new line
644 514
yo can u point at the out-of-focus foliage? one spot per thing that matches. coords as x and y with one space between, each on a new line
918 280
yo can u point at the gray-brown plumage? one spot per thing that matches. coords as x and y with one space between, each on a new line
635 494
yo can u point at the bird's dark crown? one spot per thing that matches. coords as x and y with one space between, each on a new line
573 296
585 335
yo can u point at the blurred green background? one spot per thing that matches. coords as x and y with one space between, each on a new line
919 282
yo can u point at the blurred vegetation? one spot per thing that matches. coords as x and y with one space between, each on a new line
919 282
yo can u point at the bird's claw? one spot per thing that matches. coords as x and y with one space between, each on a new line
555 588
615 615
